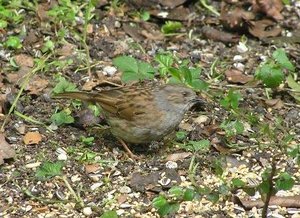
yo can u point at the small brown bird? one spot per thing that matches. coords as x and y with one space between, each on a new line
141 114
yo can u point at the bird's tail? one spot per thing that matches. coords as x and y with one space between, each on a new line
84 96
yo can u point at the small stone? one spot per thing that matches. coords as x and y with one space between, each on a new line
96 185
117 24
62 157
164 181
75 178
239 66
109 70
87 211
125 190
125 205
241 47
238 58
33 165
201 119
171 165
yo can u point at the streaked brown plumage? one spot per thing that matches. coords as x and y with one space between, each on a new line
141 114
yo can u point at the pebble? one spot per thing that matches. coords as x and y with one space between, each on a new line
164 181
171 165
62 157
87 211
96 185
201 119
238 58
33 165
109 70
239 66
241 48
125 190
125 205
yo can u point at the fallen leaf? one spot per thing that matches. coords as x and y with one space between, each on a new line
274 103
36 85
216 35
24 60
264 28
67 50
178 156
91 168
6 150
272 8
32 138
236 76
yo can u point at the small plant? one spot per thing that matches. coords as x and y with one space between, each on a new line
87 140
109 214
171 27
133 69
271 72
48 170
63 86
62 117
13 42
169 203
65 11
231 100
232 128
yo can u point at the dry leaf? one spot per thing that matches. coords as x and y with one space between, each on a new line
236 76
91 168
24 60
178 156
264 28
216 35
32 138
36 85
274 103
6 150
272 8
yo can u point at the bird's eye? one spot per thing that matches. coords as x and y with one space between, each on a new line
184 93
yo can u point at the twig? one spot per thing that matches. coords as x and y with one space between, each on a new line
271 188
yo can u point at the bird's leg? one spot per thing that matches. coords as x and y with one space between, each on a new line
133 156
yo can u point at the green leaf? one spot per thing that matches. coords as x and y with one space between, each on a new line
270 74
295 86
3 24
231 100
63 86
48 170
145 15
249 191
202 145
213 197
187 75
159 202
176 191
264 187
284 182
87 140
199 85
169 208
280 56
48 46
146 70
133 70
62 117
109 214
171 27
189 194
237 182
218 167
126 64
13 42
181 135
